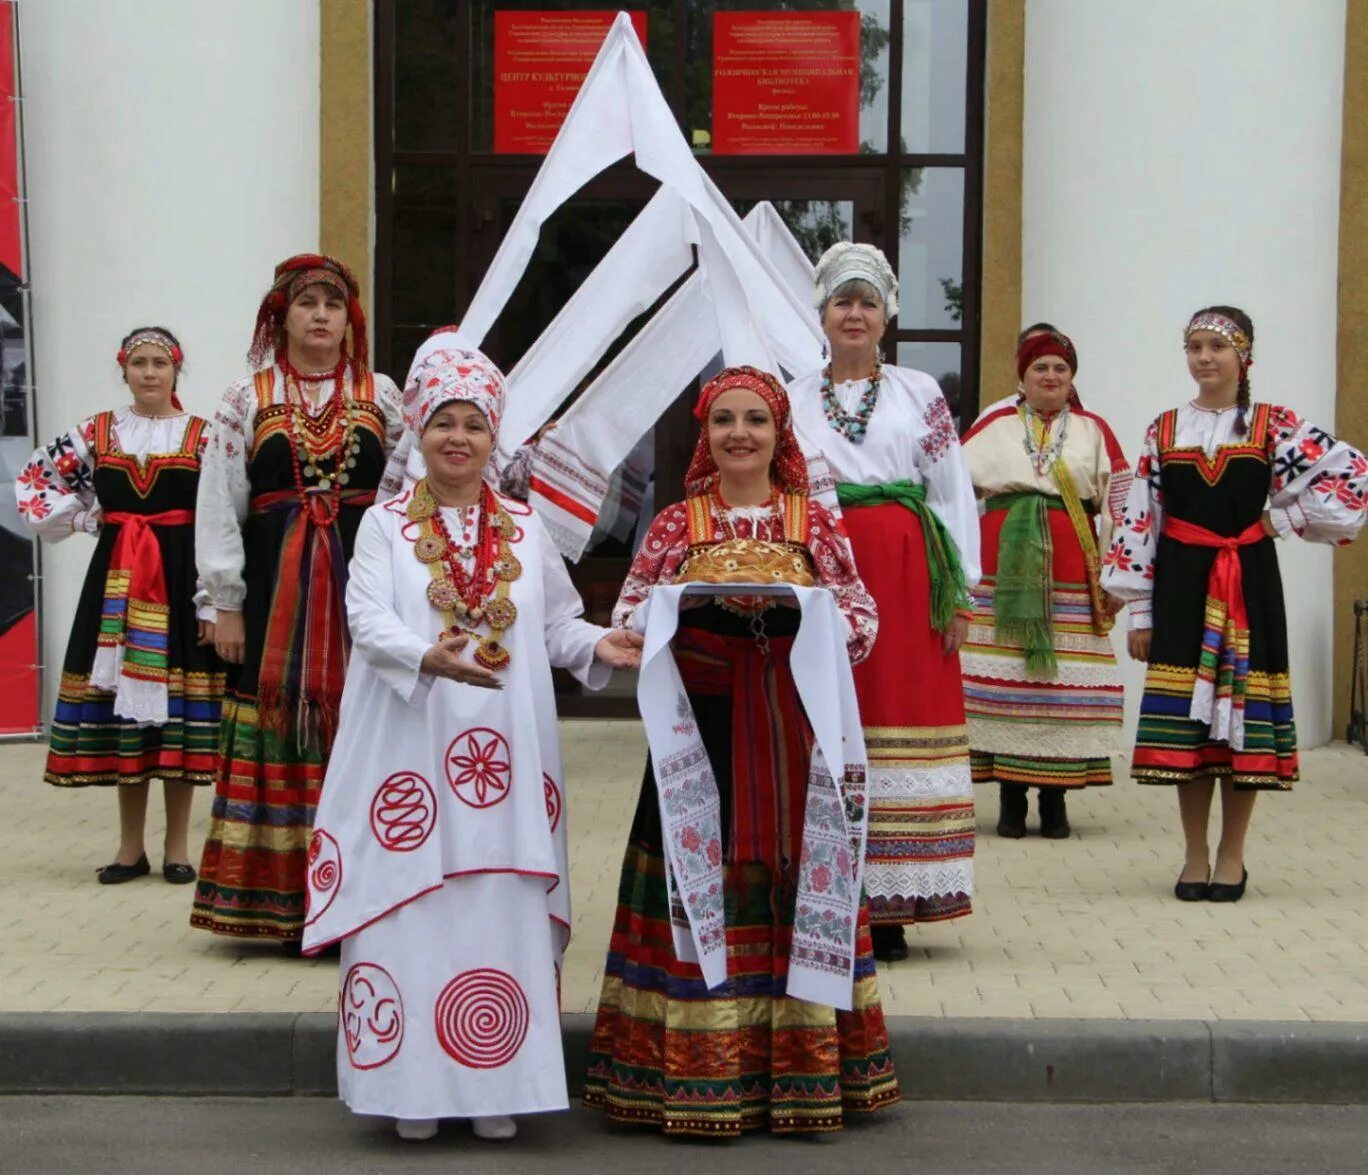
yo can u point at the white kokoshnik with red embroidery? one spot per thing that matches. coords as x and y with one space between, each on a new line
439 850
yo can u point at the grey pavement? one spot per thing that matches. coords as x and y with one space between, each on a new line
279 1136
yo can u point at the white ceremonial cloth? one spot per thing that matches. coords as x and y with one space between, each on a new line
831 867
433 788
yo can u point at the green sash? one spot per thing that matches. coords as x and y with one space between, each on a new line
948 593
1022 591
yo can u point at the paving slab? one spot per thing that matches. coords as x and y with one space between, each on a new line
1080 929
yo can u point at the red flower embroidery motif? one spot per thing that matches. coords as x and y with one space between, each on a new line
821 878
66 464
1115 557
690 839
1144 467
714 852
1143 524
1312 449
35 477
843 861
478 767
1284 422
35 508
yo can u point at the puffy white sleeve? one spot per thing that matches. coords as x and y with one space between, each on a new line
397 442
570 639
1128 565
949 490
55 491
222 502
391 649
1319 483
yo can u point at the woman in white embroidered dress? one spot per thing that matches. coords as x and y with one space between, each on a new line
438 856
889 438
1218 480
1041 685
141 687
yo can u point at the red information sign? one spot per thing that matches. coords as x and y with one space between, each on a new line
786 83
540 61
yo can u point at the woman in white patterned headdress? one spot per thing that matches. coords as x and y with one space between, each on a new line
890 440
438 857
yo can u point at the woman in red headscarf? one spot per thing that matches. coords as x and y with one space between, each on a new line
1042 692
667 1050
298 450
141 687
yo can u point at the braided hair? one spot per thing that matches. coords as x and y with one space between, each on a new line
1242 397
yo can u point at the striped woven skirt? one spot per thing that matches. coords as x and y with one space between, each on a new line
920 860
1055 730
669 1053
252 875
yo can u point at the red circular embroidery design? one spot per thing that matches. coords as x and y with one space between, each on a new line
482 1018
553 801
324 875
479 767
372 1013
403 812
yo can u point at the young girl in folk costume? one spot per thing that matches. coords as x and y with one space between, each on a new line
1221 478
141 686
667 1050
1041 684
297 453
438 856
889 438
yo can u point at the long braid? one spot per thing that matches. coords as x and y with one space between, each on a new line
1242 401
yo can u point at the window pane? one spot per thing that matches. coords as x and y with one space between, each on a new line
427 83
941 361
874 37
931 249
935 72
659 51
817 224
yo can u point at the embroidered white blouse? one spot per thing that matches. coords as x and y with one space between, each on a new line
55 491
911 437
224 490
1318 490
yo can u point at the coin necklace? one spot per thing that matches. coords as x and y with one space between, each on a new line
480 596
329 446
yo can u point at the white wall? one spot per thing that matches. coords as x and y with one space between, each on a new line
1176 155
172 160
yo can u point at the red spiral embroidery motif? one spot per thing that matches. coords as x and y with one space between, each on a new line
403 812
325 875
482 1018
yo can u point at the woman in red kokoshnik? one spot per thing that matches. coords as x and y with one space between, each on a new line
141 687
298 451
1218 480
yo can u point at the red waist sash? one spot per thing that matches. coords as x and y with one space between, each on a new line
1224 582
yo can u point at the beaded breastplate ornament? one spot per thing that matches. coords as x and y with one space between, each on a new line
469 600
324 447
851 425
1043 444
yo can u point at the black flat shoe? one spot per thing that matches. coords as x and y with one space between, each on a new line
1192 891
116 874
890 943
1219 891
178 874
1054 815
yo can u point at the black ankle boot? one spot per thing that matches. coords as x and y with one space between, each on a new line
1011 810
889 942
1054 817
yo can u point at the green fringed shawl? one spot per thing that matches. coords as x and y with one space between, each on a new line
1022 590
948 592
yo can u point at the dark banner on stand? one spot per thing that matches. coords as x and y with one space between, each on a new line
19 683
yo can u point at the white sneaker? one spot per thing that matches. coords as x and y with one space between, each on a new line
415 1129
496 1129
